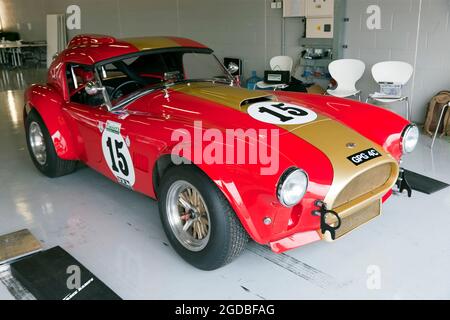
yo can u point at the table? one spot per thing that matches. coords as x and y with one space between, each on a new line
15 48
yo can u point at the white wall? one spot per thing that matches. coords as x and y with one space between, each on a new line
247 29
433 55
415 31
25 16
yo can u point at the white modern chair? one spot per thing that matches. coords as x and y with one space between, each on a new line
396 72
346 72
278 63
281 63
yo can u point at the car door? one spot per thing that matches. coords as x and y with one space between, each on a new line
113 143
102 136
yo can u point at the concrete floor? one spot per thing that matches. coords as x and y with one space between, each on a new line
118 236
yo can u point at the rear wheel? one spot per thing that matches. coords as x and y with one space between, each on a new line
198 220
42 150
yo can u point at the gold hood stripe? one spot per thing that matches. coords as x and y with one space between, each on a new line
231 97
145 43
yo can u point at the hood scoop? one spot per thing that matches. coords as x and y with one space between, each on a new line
253 100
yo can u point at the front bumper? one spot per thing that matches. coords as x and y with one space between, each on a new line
334 225
338 223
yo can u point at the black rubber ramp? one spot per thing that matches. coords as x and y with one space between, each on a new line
56 275
424 184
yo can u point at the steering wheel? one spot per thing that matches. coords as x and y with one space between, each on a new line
120 86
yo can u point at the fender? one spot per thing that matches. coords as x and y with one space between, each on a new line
226 182
48 103
253 203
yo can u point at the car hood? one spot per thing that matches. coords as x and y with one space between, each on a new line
326 133
239 99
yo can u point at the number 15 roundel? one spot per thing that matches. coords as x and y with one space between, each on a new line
281 113
117 155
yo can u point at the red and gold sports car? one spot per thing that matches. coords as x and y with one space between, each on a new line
162 116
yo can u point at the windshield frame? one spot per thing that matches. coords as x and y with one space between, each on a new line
144 91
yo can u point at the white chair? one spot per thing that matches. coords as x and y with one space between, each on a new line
440 122
396 72
278 63
346 72
281 63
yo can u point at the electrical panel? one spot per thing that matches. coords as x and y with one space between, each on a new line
322 41
319 8
320 28
320 19
294 8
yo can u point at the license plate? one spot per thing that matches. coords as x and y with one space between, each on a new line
364 156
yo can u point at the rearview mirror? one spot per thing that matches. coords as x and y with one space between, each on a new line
92 88
232 68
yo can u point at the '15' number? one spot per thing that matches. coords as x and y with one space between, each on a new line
283 118
116 153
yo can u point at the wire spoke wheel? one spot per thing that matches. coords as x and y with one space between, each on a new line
37 143
188 215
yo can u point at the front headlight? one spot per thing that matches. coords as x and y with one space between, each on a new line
292 187
410 138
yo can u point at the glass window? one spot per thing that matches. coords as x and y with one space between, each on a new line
128 77
202 66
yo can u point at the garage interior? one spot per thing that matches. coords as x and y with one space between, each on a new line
117 234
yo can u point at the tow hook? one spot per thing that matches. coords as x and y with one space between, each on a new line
323 212
403 184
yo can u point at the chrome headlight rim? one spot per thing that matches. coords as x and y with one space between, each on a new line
405 134
281 183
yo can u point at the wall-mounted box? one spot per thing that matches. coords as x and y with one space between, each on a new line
294 8
319 8
320 28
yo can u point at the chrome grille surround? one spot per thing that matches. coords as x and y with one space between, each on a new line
359 201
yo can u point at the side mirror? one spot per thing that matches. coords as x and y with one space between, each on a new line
232 68
92 88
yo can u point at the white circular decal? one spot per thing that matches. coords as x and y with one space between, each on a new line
281 113
117 155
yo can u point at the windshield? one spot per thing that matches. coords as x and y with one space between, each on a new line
133 76
202 66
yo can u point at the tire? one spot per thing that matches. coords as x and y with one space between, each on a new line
226 237
46 161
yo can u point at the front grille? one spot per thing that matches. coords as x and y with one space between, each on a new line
356 219
364 183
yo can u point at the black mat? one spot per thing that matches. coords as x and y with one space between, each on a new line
424 184
46 276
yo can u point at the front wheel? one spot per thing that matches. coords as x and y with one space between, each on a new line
198 220
41 149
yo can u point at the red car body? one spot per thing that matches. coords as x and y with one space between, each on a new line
149 121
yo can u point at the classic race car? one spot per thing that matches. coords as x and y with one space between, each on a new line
162 116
